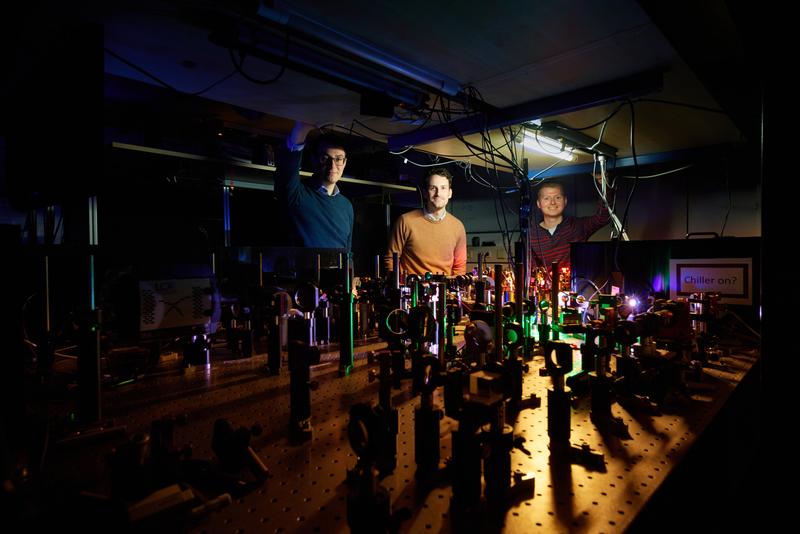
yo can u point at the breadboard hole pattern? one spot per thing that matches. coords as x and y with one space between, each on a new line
306 491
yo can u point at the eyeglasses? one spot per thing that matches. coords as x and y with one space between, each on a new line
339 160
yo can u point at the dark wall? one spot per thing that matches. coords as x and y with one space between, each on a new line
54 110
159 204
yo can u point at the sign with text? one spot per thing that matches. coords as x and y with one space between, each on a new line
730 277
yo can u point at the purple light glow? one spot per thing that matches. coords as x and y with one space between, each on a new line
658 283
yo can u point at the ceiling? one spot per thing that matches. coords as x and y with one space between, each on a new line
571 61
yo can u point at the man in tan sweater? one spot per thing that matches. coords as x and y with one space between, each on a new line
430 239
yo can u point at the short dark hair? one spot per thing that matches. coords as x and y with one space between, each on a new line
328 140
440 171
551 183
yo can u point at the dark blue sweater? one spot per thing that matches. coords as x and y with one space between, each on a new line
316 219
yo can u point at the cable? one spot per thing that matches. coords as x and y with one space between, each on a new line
481 152
489 153
162 82
428 118
349 130
490 149
599 137
432 109
682 104
471 147
58 227
660 174
532 178
633 188
503 233
591 282
743 322
437 164
246 76
617 226
385 134
598 123
730 200
480 180
635 167
546 149
687 207
596 292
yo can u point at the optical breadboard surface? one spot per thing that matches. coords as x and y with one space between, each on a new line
306 491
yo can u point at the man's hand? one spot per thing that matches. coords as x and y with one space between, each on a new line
299 132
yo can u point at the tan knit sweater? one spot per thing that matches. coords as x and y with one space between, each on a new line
428 246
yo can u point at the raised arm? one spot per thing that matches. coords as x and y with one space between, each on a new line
287 168
296 139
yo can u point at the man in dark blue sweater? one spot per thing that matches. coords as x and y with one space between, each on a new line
319 215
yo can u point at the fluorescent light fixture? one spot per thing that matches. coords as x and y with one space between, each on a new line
578 140
545 145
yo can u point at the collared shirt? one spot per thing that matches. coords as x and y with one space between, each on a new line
432 217
324 190
548 246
